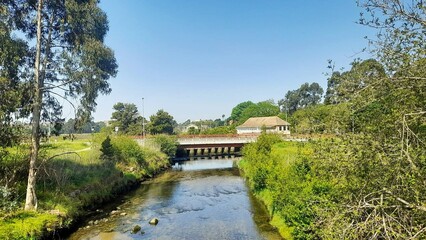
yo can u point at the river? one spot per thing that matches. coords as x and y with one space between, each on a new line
198 199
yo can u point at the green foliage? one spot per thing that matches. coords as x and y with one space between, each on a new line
161 122
107 149
306 95
375 185
168 144
8 201
257 157
261 109
127 119
27 225
348 85
334 119
280 173
193 131
401 37
238 110
70 127
70 183
128 151
12 91
220 130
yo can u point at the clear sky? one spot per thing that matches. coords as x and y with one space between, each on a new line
197 59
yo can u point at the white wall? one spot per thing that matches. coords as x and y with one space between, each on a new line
259 130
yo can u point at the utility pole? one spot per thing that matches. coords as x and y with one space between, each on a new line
143 122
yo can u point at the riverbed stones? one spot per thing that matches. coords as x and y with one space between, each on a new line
153 221
136 229
123 214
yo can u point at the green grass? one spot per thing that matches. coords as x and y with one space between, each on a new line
68 184
27 225
279 162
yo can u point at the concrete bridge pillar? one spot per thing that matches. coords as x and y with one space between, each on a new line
226 150
191 152
199 152
219 150
231 150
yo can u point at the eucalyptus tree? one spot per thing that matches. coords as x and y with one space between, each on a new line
69 60
306 95
13 54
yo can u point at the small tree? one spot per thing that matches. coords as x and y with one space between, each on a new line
161 122
107 149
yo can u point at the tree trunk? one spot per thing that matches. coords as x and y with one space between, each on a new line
31 198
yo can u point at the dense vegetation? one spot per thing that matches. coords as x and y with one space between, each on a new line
350 187
74 176
366 180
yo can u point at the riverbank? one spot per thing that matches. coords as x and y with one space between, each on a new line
83 174
198 199
272 168
331 194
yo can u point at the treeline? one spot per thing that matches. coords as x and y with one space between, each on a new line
366 179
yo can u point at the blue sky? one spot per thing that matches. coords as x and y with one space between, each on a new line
197 59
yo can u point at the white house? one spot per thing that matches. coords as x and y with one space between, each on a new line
271 124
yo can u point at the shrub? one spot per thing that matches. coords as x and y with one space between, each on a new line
167 144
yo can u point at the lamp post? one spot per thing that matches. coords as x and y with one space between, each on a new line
143 122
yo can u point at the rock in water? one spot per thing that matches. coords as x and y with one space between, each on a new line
136 229
153 221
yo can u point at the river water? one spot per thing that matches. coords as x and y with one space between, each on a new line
198 199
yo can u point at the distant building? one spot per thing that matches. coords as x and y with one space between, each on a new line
271 124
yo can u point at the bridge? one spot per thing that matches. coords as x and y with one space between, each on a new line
211 145
214 145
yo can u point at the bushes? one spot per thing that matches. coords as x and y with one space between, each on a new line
353 187
280 173
167 144
70 183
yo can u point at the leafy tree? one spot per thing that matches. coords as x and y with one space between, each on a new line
238 110
69 57
161 122
107 149
70 127
306 95
322 119
13 55
401 39
261 109
331 94
362 75
127 118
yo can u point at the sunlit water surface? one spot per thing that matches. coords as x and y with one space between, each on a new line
201 199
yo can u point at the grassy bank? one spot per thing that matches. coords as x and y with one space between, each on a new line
73 177
347 187
277 172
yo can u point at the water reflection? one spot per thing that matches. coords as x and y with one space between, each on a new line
204 164
202 199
